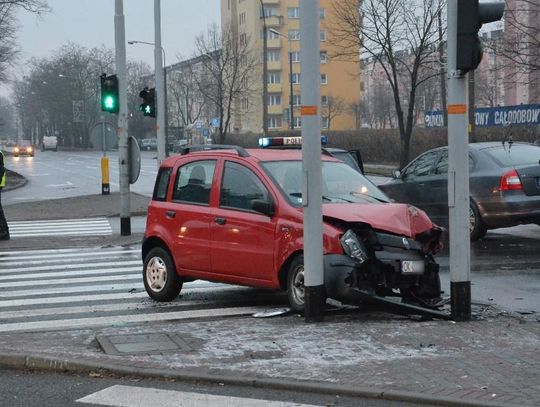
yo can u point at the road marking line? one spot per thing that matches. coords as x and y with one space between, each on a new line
25 254
69 266
110 271
64 281
84 323
134 396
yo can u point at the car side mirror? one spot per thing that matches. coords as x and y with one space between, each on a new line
396 174
265 207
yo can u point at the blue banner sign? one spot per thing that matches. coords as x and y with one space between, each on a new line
499 116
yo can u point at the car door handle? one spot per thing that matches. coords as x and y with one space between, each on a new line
220 221
170 214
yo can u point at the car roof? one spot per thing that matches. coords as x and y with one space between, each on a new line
257 154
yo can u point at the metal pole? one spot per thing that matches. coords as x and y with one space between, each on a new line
265 73
441 73
311 160
165 112
458 178
291 88
160 84
122 130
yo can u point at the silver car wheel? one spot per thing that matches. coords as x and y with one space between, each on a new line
298 288
156 274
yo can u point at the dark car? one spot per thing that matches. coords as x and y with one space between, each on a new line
234 215
149 144
23 147
504 185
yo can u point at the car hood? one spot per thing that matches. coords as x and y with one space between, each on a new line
401 219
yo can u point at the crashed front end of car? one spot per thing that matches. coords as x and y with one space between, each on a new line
389 255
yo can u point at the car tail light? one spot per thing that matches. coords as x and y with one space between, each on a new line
510 181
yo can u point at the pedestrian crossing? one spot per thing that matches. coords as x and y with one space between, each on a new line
43 290
60 227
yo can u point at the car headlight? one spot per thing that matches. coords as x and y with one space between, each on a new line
16 149
353 246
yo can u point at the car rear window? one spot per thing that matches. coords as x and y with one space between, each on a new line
162 182
518 154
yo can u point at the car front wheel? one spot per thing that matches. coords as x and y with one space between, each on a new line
161 281
295 284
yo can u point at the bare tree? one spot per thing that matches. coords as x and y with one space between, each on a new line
225 73
8 29
183 95
401 36
335 106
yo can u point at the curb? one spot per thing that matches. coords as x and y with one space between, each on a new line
21 181
46 363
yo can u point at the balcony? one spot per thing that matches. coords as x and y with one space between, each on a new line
270 2
274 87
274 21
273 43
275 109
274 65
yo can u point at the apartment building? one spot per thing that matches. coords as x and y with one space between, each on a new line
340 81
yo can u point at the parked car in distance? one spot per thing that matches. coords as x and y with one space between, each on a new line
504 184
234 215
149 144
23 147
49 143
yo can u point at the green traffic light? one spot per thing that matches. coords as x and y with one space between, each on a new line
147 109
109 103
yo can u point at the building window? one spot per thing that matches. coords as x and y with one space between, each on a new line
274 77
324 79
293 12
295 56
273 56
274 99
245 103
295 78
270 11
242 18
324 57
322 35
243 38
296 100
274 122
270 35
324 122
294 35
322 13
324 100
297 122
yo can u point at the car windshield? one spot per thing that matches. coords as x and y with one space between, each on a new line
340 183
517 154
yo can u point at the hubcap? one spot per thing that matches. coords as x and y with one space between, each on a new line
298 289
472 220
156 274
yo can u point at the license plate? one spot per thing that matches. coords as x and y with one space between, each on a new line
412 266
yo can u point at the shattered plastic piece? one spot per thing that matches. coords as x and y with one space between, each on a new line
271 313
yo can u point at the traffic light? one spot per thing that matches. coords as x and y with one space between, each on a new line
471 15
148 106
109 93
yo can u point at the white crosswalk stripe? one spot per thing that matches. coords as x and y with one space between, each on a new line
83 288
129 396
61 227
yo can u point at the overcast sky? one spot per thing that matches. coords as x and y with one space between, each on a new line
91 24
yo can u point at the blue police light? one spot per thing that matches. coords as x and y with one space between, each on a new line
266 142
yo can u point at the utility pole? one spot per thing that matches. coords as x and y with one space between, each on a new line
160 85
311 161
265 72
442 72
122 130
291 88
472 108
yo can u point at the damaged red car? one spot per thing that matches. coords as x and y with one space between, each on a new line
233 215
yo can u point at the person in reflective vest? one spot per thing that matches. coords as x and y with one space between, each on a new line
4 230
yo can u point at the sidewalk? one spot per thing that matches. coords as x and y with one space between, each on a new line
492 360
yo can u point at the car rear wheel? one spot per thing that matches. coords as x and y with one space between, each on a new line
161 281
477 229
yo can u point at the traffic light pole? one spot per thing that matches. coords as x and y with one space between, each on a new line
311 161
122 130
458 177
160 84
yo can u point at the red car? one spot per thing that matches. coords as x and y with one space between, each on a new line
234 215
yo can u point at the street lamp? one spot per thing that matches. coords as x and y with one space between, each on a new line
164 90
291 113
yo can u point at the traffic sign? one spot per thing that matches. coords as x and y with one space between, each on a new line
215 122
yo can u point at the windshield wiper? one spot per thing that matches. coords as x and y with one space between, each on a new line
369 196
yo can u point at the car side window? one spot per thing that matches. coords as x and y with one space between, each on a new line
422 166
240 187
442 166
162 183
194 182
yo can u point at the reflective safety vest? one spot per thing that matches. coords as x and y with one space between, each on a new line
3 179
